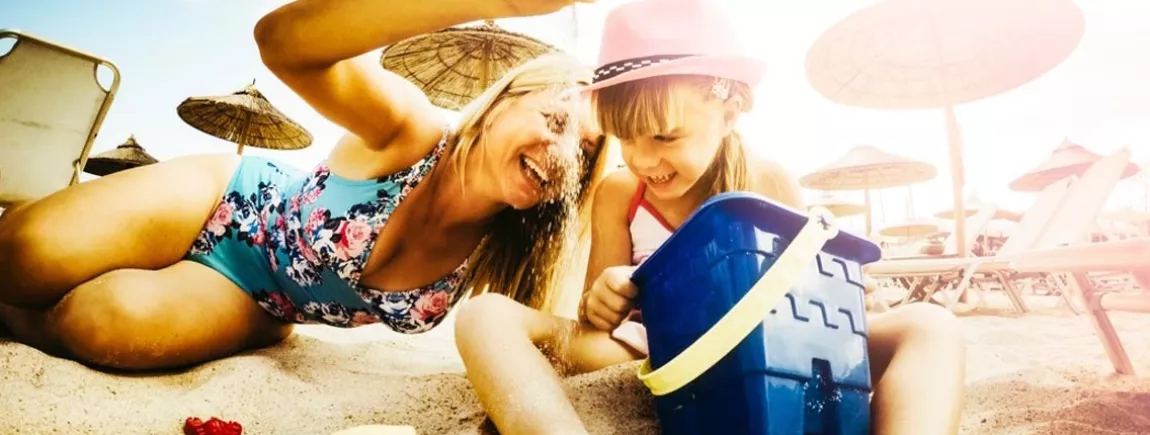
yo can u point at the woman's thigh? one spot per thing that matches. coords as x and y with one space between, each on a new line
144 218
137 319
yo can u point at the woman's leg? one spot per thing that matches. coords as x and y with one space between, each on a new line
510 350
83 267
144 218
918 363
135 319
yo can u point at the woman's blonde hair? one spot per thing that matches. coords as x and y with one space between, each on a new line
525 253
652 106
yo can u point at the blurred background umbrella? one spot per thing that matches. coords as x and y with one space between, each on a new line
840 207
127 155
920 54
911 228
973 205
1069 159
864 168
246 118
454 65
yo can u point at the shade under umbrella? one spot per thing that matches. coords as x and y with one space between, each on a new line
127 155
246 118
908 54
910 228
1069 159
866 167
454 65
840 207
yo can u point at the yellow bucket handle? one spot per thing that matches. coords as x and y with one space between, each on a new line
748 313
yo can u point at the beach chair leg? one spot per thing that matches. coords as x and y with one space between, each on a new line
1012 292
1102 326
1070 293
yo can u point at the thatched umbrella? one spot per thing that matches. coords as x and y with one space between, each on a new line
127 155
246 118
918 54
455 65
840 207
1069 159
973 205
866 167
910 228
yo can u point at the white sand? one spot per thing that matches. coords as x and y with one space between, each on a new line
1043 373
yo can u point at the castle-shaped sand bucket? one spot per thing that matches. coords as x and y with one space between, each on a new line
756 322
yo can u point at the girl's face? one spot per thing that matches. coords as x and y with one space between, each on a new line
672 162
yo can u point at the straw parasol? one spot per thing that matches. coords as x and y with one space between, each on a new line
455 65
840 207
910 228
246 118
1069 159
866 167
127 155
916 54
973 205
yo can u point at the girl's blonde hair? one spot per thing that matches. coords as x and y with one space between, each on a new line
525 253
652 106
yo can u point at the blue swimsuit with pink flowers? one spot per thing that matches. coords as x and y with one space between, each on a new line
297 243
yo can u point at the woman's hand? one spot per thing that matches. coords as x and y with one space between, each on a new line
610 299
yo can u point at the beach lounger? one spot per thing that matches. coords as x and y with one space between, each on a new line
51 106
1131 255
1062 215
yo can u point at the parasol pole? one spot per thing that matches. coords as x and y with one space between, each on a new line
866 203
958 179
244 133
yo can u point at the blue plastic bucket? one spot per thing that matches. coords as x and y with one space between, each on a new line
802 369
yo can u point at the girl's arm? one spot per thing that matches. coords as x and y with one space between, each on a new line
610 234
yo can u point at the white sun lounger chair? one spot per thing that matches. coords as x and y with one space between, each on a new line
51 106
1132 255
1054 220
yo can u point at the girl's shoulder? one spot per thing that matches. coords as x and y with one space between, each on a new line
619 184
613 195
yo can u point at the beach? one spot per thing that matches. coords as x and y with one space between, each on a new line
1040 373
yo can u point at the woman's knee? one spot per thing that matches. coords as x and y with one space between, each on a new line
109 328
26 257
924 321
484 310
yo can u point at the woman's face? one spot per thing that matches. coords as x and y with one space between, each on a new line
537 148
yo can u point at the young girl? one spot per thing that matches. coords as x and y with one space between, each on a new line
674 116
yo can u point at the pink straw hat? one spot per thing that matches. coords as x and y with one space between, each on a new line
651 38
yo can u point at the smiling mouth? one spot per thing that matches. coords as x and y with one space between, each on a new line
657 180
534 172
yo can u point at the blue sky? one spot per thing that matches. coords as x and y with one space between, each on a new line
168 50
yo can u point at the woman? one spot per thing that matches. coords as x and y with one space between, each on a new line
201 257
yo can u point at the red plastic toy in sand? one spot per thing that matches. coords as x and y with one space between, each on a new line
214 426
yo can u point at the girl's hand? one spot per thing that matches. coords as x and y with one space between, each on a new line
536 7
611 298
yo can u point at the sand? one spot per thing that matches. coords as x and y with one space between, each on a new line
1041 373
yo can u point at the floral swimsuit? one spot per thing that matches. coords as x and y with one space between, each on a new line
297 243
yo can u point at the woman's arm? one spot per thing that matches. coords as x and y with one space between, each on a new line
318 48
